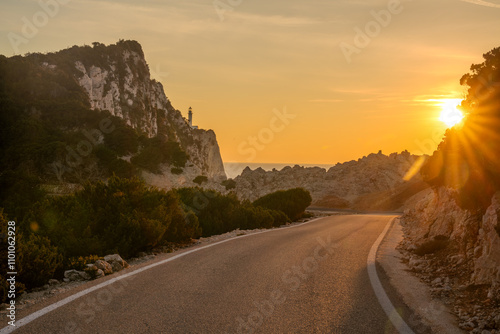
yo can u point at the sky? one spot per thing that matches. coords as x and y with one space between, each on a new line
286 81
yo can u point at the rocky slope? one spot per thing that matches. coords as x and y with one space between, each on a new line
111 80
123 86
373 182
458 253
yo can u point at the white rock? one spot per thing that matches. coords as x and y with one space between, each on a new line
104 266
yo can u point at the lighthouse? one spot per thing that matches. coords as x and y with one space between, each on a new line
190 118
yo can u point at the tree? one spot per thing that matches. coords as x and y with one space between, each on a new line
468 158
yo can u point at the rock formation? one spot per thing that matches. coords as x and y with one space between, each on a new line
343 186
70 92
123 86
458 253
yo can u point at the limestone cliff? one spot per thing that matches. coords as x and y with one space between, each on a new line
457 252
474 237
116 78
345 185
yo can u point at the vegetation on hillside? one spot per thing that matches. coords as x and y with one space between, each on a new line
291 202
50 134
219 213
468 159
125 216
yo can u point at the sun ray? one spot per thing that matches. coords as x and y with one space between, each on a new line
450 114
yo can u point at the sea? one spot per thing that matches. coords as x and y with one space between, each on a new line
234 169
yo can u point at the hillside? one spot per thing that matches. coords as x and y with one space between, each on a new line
84 113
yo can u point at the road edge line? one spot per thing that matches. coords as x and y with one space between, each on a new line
382 297
33 316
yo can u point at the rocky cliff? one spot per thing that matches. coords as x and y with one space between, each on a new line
458 253
373 182
70 93
123 86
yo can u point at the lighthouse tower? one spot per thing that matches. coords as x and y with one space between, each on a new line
190 119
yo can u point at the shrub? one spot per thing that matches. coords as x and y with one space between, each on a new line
292 202
122 216
123 139
37 260
200 179
229 184
156 151
176 171
80 263
219 213
279 218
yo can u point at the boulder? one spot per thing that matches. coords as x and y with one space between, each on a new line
104 266
75 275
53 282
85 276
99 273
116 262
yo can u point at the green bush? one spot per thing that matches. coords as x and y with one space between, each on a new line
200 179
176 171
123 216
279 217
80 263
292 202
219 213
229 184
37 260
155 151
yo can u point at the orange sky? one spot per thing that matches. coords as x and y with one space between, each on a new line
240 63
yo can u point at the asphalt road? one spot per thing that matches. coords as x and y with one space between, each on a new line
306 279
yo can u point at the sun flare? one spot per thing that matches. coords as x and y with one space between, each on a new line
450 114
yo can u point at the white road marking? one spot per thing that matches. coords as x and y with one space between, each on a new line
382 297
26 320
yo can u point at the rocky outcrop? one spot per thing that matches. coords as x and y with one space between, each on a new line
123 86
475 238
116 78
109 265
341 186
458 253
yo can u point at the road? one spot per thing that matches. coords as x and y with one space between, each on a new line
306 279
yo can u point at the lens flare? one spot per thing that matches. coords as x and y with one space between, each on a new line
450 114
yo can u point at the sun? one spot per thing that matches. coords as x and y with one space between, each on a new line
450 114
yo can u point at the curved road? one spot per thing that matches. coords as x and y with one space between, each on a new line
310 278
